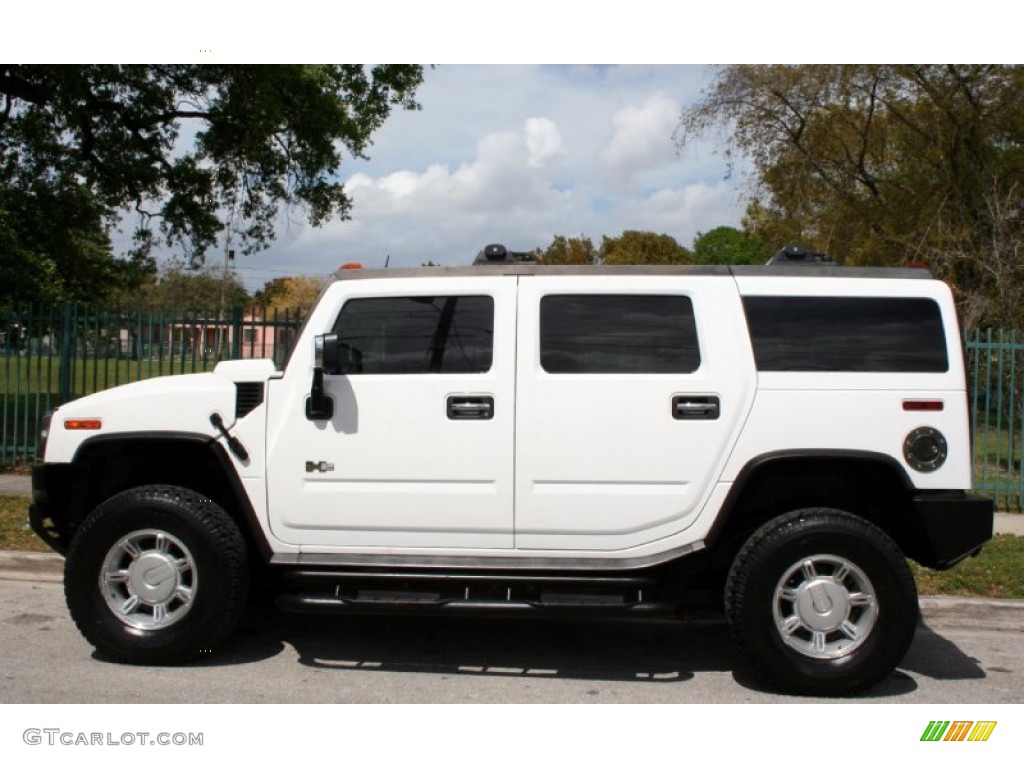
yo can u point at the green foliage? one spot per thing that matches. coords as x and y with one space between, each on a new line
884 164
192 149
293 293
568 250
634 247
54 247
179 288
727 245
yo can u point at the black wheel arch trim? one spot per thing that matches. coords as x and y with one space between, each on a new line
731 506
249 522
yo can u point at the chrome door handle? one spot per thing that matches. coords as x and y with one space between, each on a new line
696 407
470 407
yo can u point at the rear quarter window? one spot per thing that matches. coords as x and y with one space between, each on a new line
846 333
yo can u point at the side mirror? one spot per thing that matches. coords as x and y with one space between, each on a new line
334 357
325 358
325 353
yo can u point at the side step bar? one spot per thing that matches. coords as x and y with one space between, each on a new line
335 591
330 604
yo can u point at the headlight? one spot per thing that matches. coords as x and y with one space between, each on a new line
44 433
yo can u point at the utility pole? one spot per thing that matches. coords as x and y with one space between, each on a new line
229 256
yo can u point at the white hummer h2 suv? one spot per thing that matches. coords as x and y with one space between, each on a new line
523 438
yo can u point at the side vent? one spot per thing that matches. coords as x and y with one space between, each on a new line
249 395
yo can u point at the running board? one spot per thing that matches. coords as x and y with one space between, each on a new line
565 605
329 590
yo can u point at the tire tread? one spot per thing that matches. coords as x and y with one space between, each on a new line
208 519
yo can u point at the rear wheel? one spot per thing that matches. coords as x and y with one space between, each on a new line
155 575
821 602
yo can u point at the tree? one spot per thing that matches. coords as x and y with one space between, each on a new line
568 250
882 164
192 150
290 293
53 246
634 247
728 245
180 288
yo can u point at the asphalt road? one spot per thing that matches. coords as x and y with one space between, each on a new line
968 653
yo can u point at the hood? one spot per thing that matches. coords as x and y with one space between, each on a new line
182 403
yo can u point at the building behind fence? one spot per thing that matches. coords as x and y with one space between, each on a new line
51 355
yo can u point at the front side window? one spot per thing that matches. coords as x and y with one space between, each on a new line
418 334
613 333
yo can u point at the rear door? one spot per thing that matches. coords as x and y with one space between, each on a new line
631 390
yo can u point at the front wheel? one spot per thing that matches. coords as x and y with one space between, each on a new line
156 575
821 602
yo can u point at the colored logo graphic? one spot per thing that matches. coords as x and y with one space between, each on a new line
958 730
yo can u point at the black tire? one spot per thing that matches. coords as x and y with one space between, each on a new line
156 575
833 628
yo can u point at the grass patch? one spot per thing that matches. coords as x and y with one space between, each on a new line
14 530
997 572
29 376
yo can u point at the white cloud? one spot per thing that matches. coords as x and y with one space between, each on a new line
641 138
543 140
507 173
517 155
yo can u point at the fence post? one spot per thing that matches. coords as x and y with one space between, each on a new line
67 346
236 333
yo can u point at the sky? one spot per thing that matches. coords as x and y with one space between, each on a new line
516 155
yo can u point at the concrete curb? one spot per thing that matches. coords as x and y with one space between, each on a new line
31 566
973 613
940 611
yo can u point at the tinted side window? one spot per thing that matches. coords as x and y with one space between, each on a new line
419 334
801 333
618 334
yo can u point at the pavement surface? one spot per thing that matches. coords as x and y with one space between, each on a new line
964 652
15 485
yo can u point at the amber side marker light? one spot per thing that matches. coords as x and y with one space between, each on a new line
923 405
351 265
82 423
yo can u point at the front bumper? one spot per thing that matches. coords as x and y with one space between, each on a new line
48 515
955 525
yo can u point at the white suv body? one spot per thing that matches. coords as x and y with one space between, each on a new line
517 422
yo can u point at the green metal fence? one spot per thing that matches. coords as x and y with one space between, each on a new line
49 355
995 371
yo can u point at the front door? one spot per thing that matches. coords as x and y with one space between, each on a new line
419 450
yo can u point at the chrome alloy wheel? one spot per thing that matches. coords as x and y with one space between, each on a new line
149 579
824 607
